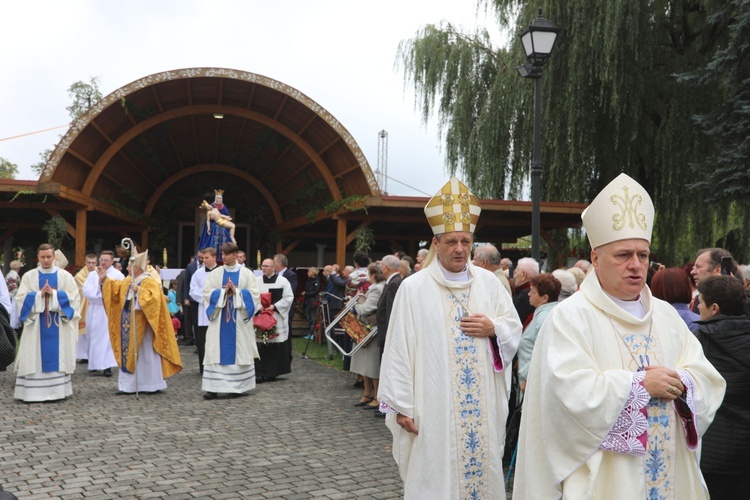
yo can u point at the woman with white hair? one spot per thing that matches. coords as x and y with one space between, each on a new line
568 282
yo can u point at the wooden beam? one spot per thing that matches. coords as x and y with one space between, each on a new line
80 237
350 237
7 234
38 205
341 242
291 246
299 222
68 226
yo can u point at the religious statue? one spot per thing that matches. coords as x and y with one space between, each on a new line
219 228
214 217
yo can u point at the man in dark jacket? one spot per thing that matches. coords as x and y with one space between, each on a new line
280 264
725 335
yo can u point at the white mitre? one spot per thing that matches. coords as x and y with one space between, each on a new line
623 210
453 208
60 260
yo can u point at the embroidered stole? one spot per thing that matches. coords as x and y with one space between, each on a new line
469 403
660 448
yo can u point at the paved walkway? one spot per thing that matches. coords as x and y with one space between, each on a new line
294 438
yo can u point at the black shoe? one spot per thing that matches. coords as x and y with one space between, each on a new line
123 393
359 384
232 395
379 415
81 361
210 395
364 403
107 372
370 407
93 371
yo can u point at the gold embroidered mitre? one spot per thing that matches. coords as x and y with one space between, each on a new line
623 210
140 260
453 208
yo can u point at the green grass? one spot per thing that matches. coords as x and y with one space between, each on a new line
317 353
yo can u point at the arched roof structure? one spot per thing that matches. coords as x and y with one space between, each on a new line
141 159
138 142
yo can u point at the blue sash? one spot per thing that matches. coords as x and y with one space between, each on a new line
228 322
49 328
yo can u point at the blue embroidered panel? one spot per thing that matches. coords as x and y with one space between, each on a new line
49 330
125 337
228 328
468 405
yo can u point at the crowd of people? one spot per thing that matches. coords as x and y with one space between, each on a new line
600 380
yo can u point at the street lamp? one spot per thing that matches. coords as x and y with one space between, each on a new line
538 41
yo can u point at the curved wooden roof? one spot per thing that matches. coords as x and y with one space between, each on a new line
161 131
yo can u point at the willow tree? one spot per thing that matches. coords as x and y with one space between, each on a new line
612 103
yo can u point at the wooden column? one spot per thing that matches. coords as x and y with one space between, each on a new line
341 242
80 230
144 241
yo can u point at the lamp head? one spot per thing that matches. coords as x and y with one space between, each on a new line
539 39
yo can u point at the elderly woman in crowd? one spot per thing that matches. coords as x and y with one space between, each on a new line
673 285
366 361
543 295
568 282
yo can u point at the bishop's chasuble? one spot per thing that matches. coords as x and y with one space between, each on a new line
46 356
455 387
590 429
152 327
228 365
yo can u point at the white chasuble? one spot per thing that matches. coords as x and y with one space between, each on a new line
590 430
454 386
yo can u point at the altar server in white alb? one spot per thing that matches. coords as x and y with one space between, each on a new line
231 295
101 355
446 370
48 302
618 391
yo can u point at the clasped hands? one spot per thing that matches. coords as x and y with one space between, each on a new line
230 288
46 290
663 383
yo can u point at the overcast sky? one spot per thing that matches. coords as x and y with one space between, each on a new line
340 53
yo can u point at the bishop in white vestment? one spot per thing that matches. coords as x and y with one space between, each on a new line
618 392
445 374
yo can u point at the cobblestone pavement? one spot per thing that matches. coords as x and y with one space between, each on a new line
299 437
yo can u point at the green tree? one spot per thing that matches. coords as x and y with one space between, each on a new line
38 168
726 172
612 103
8 170
84 95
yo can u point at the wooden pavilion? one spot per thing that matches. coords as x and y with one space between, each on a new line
139 162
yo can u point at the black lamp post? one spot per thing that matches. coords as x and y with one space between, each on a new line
538 41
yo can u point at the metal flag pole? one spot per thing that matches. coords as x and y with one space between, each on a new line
128 244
